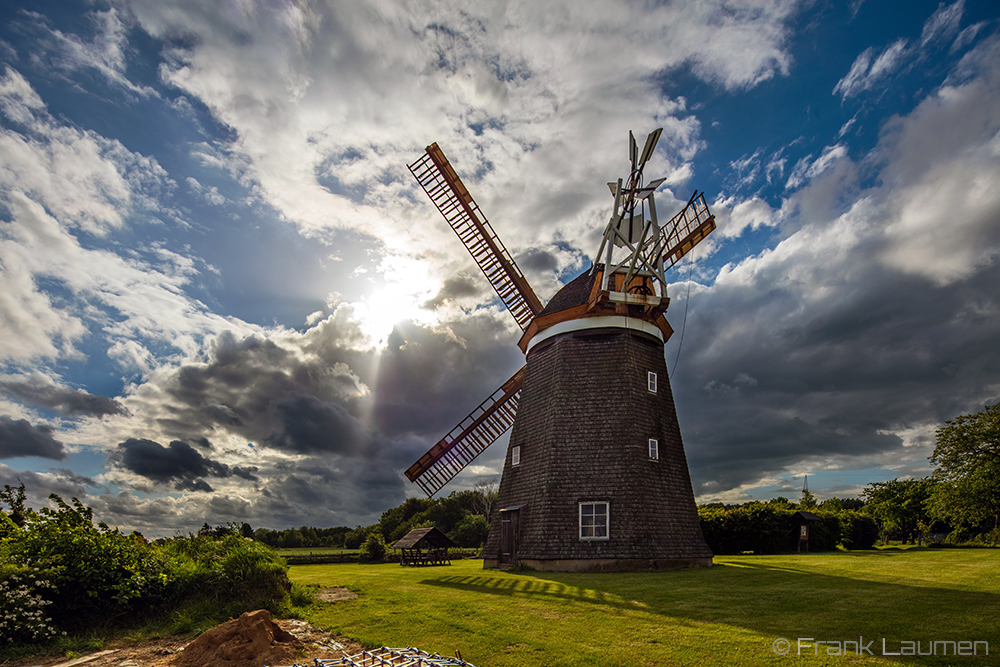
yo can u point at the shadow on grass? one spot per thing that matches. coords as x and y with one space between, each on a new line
787 599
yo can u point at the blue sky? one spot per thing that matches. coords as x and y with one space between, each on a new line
224 298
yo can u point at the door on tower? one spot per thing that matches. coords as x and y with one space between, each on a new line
510 521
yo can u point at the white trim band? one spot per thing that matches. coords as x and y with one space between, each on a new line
599 322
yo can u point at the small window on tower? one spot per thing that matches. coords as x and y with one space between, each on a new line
654 449
515 455
651 379
594 521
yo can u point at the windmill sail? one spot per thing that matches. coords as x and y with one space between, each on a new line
686 229
439 180
469 439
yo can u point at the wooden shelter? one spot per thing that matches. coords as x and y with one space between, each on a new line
802 521
424 546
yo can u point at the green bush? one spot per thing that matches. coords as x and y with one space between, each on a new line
89 577
374 548
230 572
97 573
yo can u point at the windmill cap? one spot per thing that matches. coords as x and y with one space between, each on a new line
572 309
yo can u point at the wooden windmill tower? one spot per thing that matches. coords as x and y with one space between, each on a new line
595 476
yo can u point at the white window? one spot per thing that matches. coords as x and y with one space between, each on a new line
651 381
515 455
594 520
654 449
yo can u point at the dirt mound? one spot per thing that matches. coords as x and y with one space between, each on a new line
252 640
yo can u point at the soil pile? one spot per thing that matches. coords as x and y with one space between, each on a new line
252 640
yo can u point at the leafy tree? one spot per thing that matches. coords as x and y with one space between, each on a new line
967 456
471 531
15 499
808 501
486 496
851 503
374 548
899 506
356 537
857 530
832 505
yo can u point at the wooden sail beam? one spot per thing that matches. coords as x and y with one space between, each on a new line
438 179
480 429
686 229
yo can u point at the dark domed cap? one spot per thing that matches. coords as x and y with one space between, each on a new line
574 293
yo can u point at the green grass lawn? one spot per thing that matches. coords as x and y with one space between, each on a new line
727 615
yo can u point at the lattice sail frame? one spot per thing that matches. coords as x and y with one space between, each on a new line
446 190
470 438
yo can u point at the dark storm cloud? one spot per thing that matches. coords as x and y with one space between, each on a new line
358 423
429 381
40 390
311 425
38 486
352 488
255 387
74 478
179 463
537 260
457 287
19 438
315 394
770 379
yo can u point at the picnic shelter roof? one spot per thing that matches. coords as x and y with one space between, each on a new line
433 536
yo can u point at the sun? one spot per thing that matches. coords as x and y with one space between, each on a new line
407 285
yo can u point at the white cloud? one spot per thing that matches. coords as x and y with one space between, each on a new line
330 102
865 74
943 24
106 52
55 182
734 216
18 99
807 168
943 221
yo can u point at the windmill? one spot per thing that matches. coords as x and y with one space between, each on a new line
595 476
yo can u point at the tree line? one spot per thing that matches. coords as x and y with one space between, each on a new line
462 515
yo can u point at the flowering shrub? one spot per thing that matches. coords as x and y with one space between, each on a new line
59 568
97 572
22 606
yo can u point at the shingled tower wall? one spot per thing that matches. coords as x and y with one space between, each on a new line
584 422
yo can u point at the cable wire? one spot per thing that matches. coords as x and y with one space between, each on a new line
687 302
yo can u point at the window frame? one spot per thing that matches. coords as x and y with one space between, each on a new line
651 381
654 449
594 526
515 455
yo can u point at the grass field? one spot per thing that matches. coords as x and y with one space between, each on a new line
728 615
